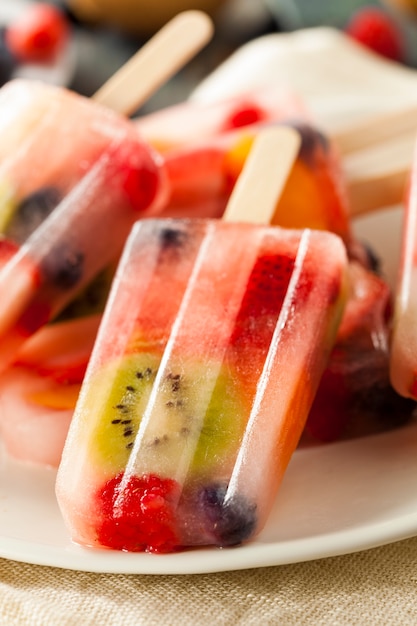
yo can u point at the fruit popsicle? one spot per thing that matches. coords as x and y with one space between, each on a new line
83 234
355 397
36 173
188 122
35 176
403 364
115 184
212 344
203 174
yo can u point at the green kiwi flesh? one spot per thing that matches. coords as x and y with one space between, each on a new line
126 387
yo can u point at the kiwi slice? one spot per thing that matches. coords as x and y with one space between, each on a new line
126 387
7 204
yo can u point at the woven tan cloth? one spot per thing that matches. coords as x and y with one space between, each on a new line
377 586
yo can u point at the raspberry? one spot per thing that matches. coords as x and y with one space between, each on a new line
38 35
244 115
374 29
7 249
134 169
145 518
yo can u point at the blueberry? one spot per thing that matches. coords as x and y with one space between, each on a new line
310 139
63 267
31 212
230 521
382 401
8 61
372 259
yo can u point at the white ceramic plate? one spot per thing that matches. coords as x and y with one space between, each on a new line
335 499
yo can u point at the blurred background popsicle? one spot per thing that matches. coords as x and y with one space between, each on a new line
34 178
202 175
205 365
192 122
403 367
111 177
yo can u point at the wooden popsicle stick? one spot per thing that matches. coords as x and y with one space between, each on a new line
265 172
378 191
377 177
172 46
378 130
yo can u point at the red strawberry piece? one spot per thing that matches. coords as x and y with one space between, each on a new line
142 517
355 397
39 34
7 249
244 115
376 30
137 172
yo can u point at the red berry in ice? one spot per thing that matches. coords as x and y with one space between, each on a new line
7 249
141 185
142 517
374 28
267 285
39 34
244 115
137 172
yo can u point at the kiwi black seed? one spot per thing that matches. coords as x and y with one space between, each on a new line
92 298
31 212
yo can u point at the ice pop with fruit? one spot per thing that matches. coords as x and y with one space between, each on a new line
206 362
114 179
189 122
203 174
403 366
64 138
52 137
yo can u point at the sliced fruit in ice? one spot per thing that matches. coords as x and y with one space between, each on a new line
190 122
189 412
204 173
355 397
38 393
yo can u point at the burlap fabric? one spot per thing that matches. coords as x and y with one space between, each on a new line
377 586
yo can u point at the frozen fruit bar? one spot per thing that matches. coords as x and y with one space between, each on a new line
202 176
83 234
403 366
39 391
53 139
206 363
355 397
189 122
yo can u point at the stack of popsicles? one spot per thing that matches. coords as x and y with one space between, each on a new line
221 341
